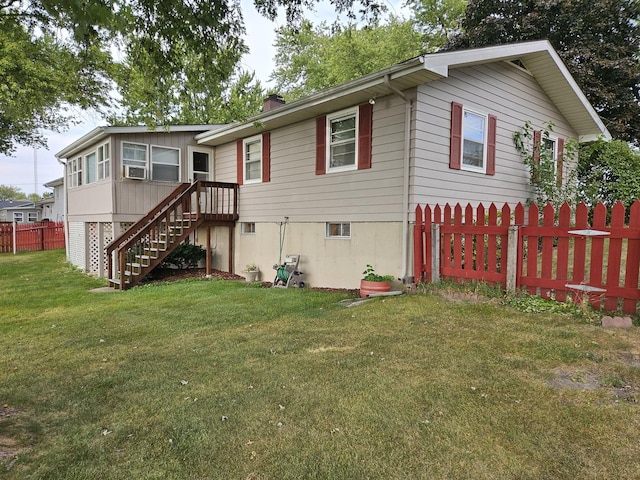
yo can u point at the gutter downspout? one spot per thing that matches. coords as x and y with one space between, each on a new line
64 207
405 176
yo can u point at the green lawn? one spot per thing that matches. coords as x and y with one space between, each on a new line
222 380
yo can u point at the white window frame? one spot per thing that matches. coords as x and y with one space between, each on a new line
152 163
190 151
87 161
103 160
554 151
343 114
135 163
341 227
32 216
18 217
485 140
246 230
74 172
245 143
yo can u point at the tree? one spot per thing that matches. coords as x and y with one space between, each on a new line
11 193
57 54
599 42
608 172
309 59
438 20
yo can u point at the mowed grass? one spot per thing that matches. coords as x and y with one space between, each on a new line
221 380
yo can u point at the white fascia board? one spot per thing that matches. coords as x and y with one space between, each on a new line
317 99
580 96
100 133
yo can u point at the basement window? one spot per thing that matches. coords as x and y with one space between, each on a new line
248 228
338 230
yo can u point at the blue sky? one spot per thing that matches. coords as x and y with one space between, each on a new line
19 171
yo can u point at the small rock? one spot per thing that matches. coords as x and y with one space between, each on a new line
616 322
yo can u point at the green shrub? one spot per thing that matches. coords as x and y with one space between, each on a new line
186 255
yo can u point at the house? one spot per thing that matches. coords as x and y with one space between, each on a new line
115 175
19 210
52 206
336 176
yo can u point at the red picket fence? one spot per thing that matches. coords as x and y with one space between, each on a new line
558 255
32 236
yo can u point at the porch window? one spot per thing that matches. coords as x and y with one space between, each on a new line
134 154
165 164
338 230
74 172
91 167
104 161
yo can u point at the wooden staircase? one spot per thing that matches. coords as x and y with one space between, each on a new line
147 242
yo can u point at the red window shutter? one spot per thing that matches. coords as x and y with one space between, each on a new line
455 147
266 157
365 130
537 140
240 161
491 145
321 145
560 161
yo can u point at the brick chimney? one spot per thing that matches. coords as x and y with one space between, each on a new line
272 101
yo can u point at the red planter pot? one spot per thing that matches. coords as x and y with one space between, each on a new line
367 287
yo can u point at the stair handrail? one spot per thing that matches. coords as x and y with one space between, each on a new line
143 225
140 224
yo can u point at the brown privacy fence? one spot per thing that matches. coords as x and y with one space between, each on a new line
553 254
31 236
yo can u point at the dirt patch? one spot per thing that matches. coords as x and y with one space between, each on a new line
465 297
9 446
172 275
565 380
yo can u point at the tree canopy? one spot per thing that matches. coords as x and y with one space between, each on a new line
8 192
598 40
310 58
154 53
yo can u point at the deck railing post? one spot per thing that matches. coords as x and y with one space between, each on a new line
512 258
435 253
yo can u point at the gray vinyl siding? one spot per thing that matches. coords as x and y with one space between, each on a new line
499 89
295 191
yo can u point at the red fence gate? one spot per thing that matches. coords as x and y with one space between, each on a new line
32 236
557 255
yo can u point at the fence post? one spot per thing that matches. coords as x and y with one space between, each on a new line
512 258
435 253
15 236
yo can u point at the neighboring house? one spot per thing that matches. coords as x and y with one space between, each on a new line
53 205
346 166
21 211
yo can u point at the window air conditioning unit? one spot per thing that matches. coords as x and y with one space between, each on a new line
138 173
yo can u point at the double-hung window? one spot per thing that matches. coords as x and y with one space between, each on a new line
342 141
252 159
18 217
473 140
32 217
104 160
165 164
474 134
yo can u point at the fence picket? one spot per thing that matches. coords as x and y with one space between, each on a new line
562 259
633 260
473 243
615 254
